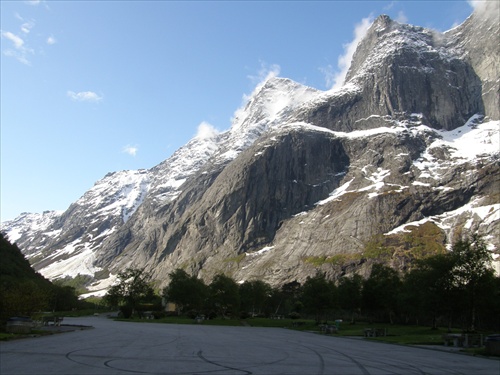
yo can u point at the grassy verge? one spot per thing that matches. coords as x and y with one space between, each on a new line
6 336
400 334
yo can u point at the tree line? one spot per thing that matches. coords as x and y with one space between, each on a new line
458 288
24 292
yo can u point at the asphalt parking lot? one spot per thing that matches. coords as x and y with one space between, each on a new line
140 348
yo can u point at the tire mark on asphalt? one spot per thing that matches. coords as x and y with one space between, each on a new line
350 358
200 355
321 359
400 366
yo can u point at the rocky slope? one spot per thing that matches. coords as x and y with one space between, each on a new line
304 180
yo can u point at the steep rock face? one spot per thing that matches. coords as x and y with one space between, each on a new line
303 191
304 179
399 70
373 197
478 41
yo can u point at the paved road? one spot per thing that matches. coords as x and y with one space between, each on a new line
141 348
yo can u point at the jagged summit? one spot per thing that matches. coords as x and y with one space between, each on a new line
410 141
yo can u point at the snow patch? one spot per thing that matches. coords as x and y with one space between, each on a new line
79 263
341 190
261 251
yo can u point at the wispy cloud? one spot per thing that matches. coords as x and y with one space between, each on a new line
265 72
484 7
27 26
23 49
329 74
206 130
344 61
84 96
16 40
390 5
20 51
401 17
131 150
474 3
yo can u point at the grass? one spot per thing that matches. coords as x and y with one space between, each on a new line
6 336
400 334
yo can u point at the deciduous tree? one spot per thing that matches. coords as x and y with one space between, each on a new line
319 296
132 289
224 294
187 292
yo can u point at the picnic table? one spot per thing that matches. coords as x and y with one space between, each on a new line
466 340
52 320
375 332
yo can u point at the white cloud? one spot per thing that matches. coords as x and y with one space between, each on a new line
51 40
131 150
401 17
344 60
474 3
329 74
206 130
33 2
20 52
265 72
16 40
27 26
84 96
21 57
390 5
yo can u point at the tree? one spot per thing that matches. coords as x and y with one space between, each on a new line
24 298
471 273
349 291
254 295
64 298
381 290
187 292
290 297
132 289
427 290
319 296
224 294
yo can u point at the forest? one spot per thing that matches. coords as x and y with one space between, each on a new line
458 288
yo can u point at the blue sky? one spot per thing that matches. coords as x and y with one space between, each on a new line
91 87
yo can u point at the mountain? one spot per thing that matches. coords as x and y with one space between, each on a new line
400 161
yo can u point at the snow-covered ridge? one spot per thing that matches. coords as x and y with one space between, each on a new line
267 107
117 194
29 222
